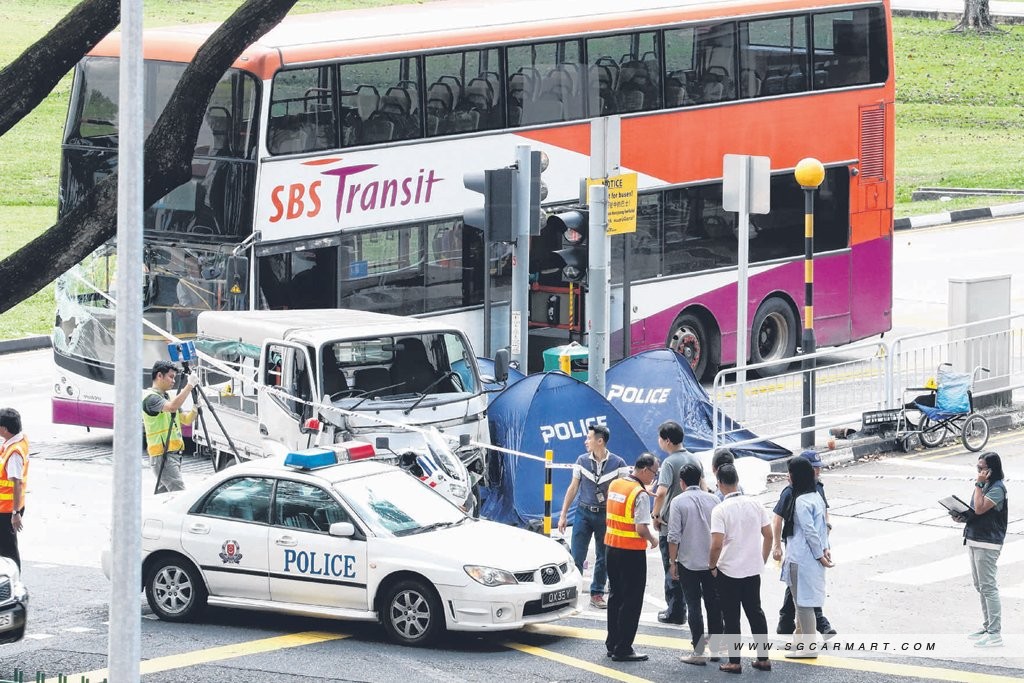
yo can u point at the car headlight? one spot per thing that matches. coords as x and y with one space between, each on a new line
489 576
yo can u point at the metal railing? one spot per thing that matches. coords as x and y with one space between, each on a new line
855 379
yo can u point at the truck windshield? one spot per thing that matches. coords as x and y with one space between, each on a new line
396 504
401 366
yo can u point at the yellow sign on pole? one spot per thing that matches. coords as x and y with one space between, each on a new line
622 197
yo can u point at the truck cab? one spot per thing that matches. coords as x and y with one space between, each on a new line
287 380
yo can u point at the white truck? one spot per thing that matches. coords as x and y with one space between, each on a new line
385 371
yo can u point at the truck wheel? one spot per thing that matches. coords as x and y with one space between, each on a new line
411 613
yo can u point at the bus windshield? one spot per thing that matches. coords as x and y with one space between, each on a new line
217 202
178 284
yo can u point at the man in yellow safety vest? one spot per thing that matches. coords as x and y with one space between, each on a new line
164 441
13 482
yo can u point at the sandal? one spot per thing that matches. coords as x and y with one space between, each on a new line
762 665
731 668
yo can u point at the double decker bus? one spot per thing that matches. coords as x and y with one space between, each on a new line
329 171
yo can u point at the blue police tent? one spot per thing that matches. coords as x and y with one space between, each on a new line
542 411
659 385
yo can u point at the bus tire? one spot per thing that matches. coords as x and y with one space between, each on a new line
689 337
773 336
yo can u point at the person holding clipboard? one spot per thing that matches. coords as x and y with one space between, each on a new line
986 519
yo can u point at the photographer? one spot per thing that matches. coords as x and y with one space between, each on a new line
162 421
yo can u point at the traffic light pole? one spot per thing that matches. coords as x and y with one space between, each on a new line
519 325
598 295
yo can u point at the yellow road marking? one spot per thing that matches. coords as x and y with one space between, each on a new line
215 654
583 664
828 661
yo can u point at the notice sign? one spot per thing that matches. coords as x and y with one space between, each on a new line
622 196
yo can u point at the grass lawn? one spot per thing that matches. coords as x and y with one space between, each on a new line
959 122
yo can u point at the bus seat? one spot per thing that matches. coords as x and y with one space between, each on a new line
774 83
367 101
675 93
796 81
750 83
379 128
371 379
454 84
479 96
462 121
440 99
351 127
613 69
494 80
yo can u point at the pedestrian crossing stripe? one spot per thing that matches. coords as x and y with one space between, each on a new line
949 568
863 548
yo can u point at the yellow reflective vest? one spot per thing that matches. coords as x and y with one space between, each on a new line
6 483
161 428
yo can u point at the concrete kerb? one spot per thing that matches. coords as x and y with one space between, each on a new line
848 451
25 344
946 217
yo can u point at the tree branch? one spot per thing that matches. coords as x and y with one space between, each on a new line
168 162
26 81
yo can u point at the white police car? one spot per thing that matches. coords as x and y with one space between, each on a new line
358 540
13 602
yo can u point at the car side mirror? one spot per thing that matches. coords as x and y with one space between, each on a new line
343 529
500 365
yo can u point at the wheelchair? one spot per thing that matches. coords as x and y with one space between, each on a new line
947 408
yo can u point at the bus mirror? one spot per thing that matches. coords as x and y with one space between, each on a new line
237 276
500 365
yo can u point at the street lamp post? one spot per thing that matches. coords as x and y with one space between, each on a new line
809 174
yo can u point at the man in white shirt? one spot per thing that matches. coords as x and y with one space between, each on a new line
738 554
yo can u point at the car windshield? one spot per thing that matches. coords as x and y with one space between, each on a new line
396 504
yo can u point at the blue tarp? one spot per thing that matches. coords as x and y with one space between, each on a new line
659 385
547 410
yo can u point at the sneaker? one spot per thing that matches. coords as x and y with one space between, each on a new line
597 601
989 640
977 634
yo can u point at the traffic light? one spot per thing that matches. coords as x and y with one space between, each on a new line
497 217
573 256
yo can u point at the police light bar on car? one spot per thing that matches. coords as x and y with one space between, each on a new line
311 458
354 450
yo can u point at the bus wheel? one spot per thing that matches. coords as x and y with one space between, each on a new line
773 336
690 339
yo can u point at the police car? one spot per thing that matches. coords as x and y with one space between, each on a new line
355 540
13 602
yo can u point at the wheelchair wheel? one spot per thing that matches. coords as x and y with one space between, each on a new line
932 433
975 433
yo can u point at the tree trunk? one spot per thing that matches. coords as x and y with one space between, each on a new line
168 161
976 17
26 81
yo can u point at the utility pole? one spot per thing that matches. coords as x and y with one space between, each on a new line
604 161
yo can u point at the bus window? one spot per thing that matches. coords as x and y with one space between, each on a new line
302 116
389 275
624 74
847 48
380 101
699 234
545 83
645 255
775 54
464 92
444 265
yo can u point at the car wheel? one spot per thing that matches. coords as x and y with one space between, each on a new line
411 613
689 338
773 336
175 590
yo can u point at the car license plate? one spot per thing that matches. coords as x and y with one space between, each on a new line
558 597
6 620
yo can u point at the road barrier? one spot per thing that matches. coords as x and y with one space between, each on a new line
861 378
19 677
